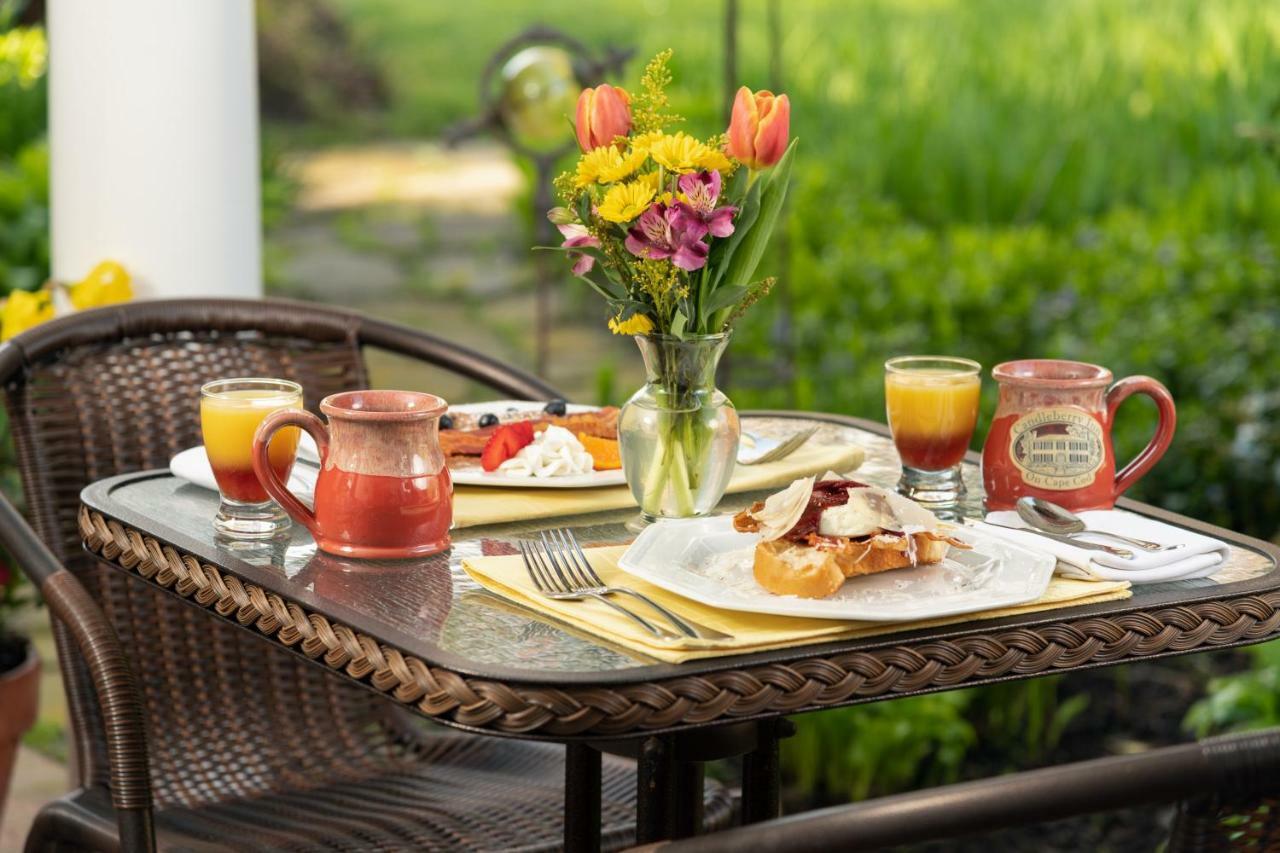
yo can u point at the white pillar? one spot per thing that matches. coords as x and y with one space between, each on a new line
153 135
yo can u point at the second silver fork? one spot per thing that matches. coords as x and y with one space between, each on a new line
563 545
551 581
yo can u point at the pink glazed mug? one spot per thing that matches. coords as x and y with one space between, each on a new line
383 491
1051 436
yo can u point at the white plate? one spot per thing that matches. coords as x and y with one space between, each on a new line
477 476
706 560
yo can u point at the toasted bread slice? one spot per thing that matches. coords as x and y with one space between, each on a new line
808 571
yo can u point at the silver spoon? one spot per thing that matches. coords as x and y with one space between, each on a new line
1047 516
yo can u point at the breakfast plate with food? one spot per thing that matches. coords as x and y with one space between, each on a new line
838 549
514 443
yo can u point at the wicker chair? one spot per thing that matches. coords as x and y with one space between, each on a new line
190 732
1225 788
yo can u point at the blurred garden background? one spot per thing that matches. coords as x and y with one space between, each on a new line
1093 179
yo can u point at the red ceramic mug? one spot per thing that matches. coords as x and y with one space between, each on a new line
1051 436
383 491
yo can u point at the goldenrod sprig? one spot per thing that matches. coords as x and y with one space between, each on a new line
648 105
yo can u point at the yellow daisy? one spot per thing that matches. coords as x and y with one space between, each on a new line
713 159
636 324
621 167
644 141
680 152
649 179
624 202
606 164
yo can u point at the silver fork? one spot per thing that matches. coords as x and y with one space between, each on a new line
562 543
552 583
788 446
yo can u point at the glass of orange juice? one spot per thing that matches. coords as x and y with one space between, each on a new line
230 411
932 403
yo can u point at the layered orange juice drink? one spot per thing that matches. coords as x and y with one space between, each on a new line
230 412
932 406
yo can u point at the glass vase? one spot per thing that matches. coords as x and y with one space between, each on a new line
679 433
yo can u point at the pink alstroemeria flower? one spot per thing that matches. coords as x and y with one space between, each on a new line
576 235
657 236
699 215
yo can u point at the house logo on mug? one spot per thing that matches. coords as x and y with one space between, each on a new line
1057 449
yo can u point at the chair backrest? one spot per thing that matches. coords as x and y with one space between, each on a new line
115 390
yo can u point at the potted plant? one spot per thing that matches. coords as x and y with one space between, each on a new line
19 677
669 229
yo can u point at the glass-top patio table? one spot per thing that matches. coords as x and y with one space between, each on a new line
427 636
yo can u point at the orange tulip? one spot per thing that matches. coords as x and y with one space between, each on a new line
758 128
604 113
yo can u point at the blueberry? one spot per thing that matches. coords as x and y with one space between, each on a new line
556 407
488 419
446 422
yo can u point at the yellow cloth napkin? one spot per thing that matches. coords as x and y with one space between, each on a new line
476 505
752 632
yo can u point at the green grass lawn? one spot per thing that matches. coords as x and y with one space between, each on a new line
949 110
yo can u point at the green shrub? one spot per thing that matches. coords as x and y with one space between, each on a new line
857 752
24 160
1249 700
23 59
24 219
1135 293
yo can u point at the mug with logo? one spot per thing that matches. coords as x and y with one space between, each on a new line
1051 436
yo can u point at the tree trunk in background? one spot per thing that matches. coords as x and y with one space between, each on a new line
153 126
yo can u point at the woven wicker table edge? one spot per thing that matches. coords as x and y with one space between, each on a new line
696 700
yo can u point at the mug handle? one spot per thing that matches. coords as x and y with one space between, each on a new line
267 475
1159 443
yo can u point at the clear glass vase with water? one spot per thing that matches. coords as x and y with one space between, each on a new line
679 433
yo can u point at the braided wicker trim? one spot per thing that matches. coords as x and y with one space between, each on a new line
696 699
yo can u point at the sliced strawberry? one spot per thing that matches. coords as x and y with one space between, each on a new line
505 442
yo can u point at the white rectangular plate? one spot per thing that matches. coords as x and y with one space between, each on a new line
706 560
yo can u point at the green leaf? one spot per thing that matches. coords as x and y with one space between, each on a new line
737 187
605 290
725 297
678 323
742 265
722 250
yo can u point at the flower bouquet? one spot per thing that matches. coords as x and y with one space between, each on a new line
669 229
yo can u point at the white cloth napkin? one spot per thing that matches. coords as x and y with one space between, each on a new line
1198 557
193 466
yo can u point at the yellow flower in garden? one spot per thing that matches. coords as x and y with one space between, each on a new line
106 284
625 202
24 309
680 152
607 164
636 324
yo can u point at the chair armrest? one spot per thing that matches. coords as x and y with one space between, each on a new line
1240 765
459 359
113 679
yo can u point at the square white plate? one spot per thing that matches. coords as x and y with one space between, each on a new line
706 560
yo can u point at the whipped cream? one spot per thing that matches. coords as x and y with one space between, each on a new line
870 510
555 452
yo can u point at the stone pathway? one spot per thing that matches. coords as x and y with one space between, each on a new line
431 237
